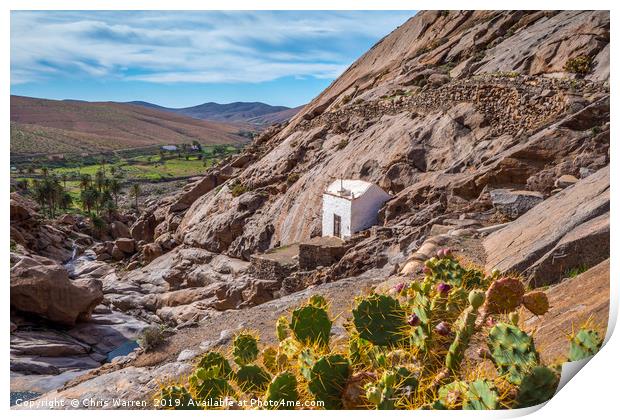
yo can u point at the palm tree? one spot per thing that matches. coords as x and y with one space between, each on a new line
66 201
89 197
100 180
85 180
115 189
135 192
64 178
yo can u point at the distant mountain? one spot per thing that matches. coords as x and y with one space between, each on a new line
48 126
256 113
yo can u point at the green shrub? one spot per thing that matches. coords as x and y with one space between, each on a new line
580 65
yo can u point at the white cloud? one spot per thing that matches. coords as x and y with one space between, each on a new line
173 47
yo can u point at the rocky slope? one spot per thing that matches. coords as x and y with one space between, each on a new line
475 122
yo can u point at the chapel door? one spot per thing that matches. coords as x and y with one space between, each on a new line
337 223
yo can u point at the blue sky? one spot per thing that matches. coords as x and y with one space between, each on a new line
179 59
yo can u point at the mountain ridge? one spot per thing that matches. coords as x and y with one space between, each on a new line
258 113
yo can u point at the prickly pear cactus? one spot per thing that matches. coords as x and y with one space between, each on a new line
283 388
252 379
328 379
215 365
512 351
466 327
177 397
446 269
282 331
270 359
306 361
536 302
537 387
318 301
311 325
481 395
390 388
205 387
504 295
245 349
380 320
584 343
289 347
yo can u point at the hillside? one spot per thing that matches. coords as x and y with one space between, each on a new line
239 112
490 130
41 126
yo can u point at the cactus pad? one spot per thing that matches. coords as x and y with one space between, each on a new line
282 330
536 302
504 295
283 388
584 344
328 379
537 387
252 379
311 325
205 387
177 398
380 320
318 301
245 349
512 351
215 365
481 395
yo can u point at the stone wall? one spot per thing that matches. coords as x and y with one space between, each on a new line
263 267
319 252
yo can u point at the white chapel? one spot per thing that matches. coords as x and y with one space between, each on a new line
351 205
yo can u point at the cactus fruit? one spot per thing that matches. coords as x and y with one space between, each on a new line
380 320
443 289
282 330
245 349
512 351
513 318
584 344
328 379
205 387
481 395
318 301
283 388
466 328
413 320
536 302
215 365
398 288
503 296
443 328
537 387
311 325
252 379
177 398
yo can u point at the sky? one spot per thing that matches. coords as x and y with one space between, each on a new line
179 59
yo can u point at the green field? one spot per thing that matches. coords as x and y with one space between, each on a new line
149 167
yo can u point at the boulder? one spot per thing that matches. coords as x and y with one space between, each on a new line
42 287
119 230
514 203
126 245
565 181
568 230
151 251
199 189
117 254
144 228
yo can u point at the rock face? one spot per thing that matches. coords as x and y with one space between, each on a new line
567 231
41 287
514 203
431 113
574 302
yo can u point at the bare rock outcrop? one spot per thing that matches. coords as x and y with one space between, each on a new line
42 287
566 231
